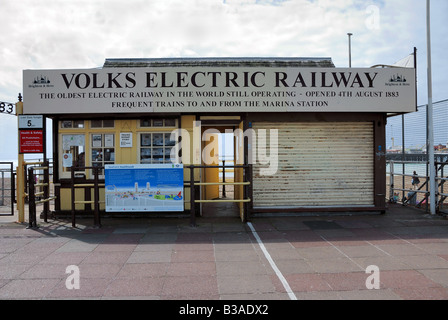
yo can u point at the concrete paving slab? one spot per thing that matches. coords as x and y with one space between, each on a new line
222 258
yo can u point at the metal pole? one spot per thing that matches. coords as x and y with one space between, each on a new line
46 188
96 196
403 157
224 178
72 178
21 173
32 200
349 50
432 173
192 198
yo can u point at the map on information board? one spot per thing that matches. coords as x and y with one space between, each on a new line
144 188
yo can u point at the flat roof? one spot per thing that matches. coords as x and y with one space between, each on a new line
219 62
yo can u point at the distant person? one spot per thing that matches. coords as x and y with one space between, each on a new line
415 180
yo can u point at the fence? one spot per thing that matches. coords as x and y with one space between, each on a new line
38 177
246 184
407 155
7 189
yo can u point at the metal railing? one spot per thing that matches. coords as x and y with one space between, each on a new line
417 195
96 194
7 190
43 193
247 184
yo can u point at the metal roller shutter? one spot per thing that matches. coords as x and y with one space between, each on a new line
319 165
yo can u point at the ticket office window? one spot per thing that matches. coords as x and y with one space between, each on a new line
97 124
73 154
72 124
102 150
158 123
156 147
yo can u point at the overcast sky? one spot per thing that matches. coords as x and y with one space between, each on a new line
59 34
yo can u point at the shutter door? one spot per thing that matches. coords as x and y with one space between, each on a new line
319 165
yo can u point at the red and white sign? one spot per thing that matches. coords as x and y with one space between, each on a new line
31 141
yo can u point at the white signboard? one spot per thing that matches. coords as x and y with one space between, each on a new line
219 89
126 139
31 122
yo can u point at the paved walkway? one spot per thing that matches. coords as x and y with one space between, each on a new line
272 258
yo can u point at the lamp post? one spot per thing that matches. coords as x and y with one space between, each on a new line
432 168
349 50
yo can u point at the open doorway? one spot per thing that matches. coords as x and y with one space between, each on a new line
218 148
226 159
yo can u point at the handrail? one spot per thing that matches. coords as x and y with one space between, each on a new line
440 195
95 201
12 186
247 201
32 192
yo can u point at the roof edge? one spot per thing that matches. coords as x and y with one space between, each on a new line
223 62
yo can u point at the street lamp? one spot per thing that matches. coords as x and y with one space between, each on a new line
432 169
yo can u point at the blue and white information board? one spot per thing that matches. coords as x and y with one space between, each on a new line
144 187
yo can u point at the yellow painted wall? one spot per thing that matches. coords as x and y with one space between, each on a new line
128 155
187 123
211 175
66 199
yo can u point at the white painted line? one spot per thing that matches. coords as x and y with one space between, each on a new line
282 279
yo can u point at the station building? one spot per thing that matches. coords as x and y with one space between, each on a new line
312 135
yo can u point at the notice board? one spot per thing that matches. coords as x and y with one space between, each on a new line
31 141
144 188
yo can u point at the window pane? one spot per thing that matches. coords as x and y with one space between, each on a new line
97 155
108 140
66 124
73 151
157 139
169 142
145 122
145 155
157 122
145 139
109 155
168 155
78 124
157 154
108 123
96 123
170 122
97 140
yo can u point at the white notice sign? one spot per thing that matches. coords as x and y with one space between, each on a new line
126 140
219 89
31 121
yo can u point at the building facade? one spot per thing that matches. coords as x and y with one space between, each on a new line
312 135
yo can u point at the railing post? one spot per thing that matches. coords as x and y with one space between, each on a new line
245 193
72 175
392 183
441 187
192 196
46 189
96 196
31 200
224 178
